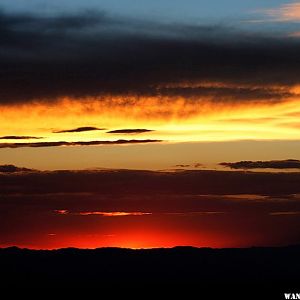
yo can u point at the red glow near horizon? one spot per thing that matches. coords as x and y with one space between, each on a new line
145 231
133 240
224 223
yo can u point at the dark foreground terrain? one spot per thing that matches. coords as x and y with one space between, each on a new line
278 268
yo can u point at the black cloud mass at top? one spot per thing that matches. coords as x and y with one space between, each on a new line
92 54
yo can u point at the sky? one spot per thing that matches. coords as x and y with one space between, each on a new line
174 10
177 89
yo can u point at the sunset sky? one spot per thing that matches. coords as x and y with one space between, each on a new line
149 123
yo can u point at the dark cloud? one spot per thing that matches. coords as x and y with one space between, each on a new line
272 164
226 93
185 193
19 137
131 182
79 129
94 54
63 143
13 169
130 131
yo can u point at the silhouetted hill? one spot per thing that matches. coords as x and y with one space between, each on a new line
278 267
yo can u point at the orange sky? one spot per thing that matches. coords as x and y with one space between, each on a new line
172 119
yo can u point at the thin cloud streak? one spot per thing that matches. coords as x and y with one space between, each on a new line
79 129
130 131
102 213
81 143
124 214
20 137
112 214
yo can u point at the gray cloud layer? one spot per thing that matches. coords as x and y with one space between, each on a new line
94 54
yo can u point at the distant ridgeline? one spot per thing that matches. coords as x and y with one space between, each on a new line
201 267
